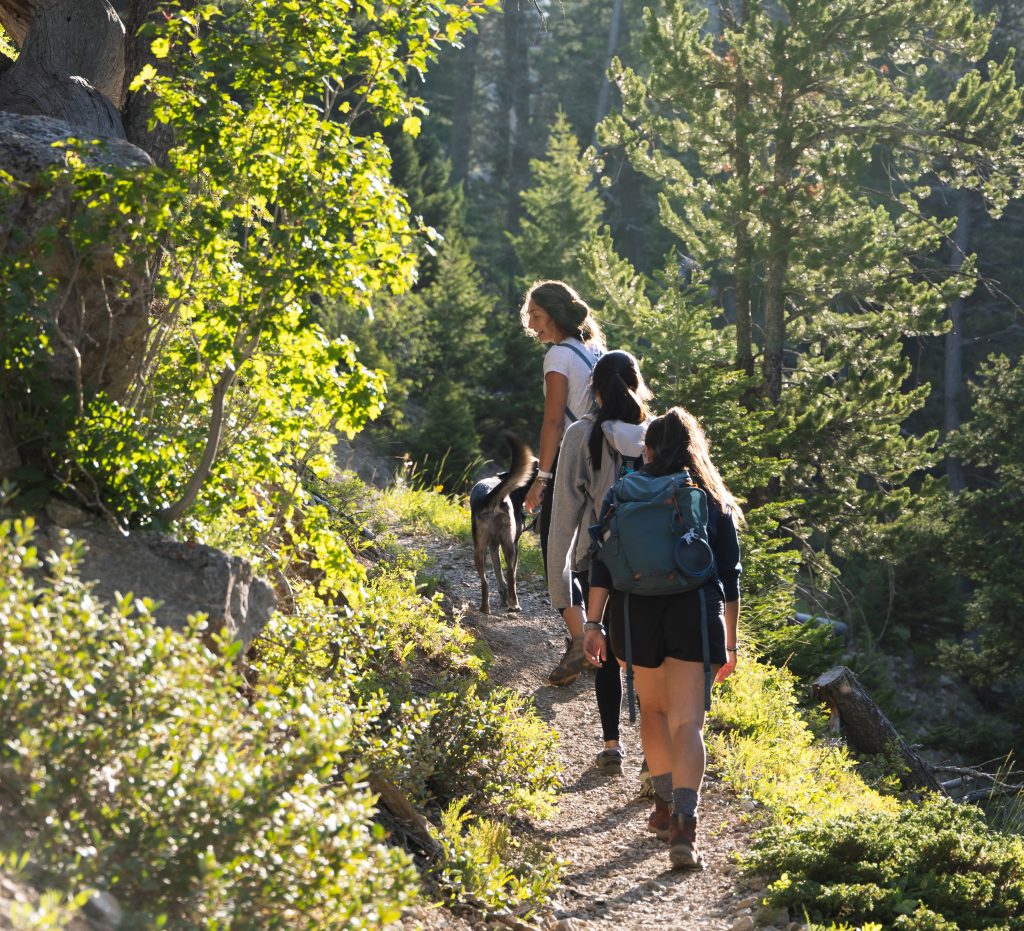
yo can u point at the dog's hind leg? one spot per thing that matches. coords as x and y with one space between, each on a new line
511 553
498 577
479 560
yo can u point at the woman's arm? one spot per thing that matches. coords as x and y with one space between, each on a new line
556 395
732 618
595 642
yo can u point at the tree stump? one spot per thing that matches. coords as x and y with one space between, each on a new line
867 729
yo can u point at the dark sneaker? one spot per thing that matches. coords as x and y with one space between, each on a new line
682 844
646 786
659 819
609 761
570 665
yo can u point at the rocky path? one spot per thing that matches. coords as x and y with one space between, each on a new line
618 874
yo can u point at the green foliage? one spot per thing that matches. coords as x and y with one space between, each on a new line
135 766
415 681
562 211
274 199
761 135
483 861
768 750
937 866
986 525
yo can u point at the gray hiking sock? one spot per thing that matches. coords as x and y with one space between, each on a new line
663 786
685 802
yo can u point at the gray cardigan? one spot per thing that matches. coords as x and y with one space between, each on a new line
578 494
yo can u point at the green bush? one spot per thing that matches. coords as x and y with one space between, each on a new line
937 867
129 758
482 859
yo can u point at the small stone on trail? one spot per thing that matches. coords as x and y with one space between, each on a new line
743 923
749 901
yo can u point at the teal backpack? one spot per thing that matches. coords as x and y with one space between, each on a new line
654 541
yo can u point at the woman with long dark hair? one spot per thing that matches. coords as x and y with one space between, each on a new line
668 646
594 451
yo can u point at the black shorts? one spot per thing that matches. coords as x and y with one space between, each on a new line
668 625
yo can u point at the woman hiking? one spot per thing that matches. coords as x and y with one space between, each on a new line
554 313
594 451
666 638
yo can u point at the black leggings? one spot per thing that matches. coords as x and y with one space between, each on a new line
607 679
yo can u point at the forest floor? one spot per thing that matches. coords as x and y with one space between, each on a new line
618 874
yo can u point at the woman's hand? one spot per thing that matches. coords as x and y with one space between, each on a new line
534 496
729 668
595 647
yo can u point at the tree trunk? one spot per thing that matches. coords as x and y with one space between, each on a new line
744 243
67 82
604 94
463 104
869 731
953 374
70 63
517 108
137 106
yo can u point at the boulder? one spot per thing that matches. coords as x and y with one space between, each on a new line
182 578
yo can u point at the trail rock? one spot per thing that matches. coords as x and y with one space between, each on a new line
183 578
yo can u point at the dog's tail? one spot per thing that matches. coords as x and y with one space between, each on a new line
519 473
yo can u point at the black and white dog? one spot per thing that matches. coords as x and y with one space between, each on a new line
496 510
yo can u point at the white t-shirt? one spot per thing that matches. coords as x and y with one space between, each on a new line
560 358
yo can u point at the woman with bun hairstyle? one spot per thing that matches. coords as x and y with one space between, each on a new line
666 639
594 451
555 314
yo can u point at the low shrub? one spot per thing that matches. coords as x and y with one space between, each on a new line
129 759
936 867
481 860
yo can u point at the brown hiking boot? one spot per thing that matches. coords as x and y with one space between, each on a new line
682 844
659 819
570 665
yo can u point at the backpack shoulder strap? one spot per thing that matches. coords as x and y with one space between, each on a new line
587 360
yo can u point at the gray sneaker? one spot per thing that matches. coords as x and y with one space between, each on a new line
609 761
570 665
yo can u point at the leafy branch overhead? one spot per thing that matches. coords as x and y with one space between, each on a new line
277 194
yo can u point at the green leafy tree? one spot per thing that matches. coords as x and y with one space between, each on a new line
761 136
276 194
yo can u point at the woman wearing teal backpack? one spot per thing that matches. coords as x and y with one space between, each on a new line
673 636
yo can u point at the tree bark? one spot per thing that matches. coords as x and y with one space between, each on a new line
779 237
462 110
953 370
605 93
517 108
70 64
744 243
137 106
867 729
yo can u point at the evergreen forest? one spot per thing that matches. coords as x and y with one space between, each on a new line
241 240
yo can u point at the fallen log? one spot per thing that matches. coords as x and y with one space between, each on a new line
867 729
415 825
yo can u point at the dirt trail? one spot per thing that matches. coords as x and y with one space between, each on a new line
619 874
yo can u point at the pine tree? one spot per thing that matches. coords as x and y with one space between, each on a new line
762 138
561 210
